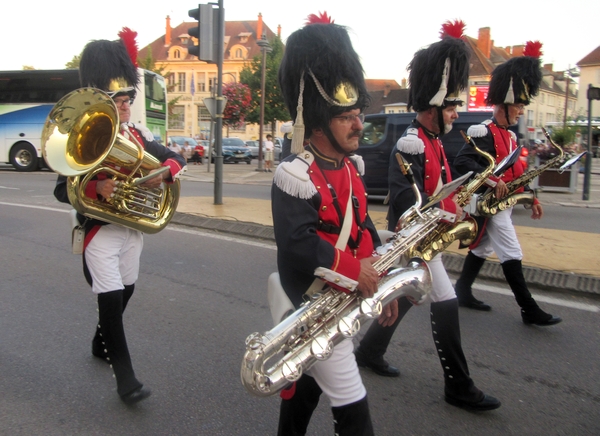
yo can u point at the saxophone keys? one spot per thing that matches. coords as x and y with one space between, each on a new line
348 326
321 348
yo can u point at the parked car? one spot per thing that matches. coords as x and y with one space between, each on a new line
253 147
382 131
234 151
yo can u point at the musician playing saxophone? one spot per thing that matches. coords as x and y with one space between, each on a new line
323 231
512 87
111 252
437 75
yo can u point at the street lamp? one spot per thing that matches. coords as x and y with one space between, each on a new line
265 47
569 74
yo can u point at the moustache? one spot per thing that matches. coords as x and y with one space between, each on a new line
355 133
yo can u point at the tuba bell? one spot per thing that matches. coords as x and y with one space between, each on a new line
81 139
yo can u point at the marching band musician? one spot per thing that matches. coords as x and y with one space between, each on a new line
111 253
437 75
513 85
315 191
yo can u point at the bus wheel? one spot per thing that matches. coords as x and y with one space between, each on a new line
23 157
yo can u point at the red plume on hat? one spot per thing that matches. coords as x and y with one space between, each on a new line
322 18
533 49
128 37
454 29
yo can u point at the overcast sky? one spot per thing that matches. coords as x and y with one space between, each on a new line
385 33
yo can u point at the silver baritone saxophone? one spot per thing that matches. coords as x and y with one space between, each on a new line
275 359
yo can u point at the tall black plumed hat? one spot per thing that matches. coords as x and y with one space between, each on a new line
440 72
320 71
517 80
111 65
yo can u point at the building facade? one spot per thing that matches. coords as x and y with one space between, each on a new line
190 80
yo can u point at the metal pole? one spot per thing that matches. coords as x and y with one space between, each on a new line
588 158
568 79
219 110
264 45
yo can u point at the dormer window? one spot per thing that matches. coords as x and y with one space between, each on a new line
244 36
184 38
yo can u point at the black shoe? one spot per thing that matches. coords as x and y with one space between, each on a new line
486 403
474 303
538 317
136 395
378 366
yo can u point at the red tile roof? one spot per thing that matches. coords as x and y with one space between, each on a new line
593 58
232 30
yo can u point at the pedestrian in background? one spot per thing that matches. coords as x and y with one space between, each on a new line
269 147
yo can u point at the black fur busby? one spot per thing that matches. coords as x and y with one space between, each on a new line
517 80
440 72
321 72
107 65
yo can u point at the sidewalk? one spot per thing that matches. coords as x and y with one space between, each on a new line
553 259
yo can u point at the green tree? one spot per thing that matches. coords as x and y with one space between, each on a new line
275 109
73 64
239 101
563 135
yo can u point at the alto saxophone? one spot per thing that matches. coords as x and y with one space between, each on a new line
488 205
466 230
278 357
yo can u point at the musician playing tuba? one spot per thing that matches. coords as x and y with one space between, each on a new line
111 252
513 85
322 228
437 75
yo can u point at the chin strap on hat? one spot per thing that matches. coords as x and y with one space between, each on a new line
298 133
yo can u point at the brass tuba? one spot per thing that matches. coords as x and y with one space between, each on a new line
81 139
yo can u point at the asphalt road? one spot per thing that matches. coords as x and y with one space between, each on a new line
200 295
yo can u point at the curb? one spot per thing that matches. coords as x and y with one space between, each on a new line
492 270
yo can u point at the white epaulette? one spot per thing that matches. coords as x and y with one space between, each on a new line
359 162
479 130
411 143
292 176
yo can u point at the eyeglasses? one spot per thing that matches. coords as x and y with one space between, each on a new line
120 103
351 118
519 107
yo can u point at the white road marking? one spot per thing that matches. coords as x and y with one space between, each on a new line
208 234
542 298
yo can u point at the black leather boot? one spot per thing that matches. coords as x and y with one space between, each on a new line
353 419
295 413
373 345
530 311
98 349
110 312
460 391
463 286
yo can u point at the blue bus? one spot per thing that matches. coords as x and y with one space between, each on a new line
27 96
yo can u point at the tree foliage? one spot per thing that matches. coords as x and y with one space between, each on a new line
239 100
564 135
73 64
275 109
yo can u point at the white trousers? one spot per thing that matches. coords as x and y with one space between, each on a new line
501 238
113 258
338 376
442 289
